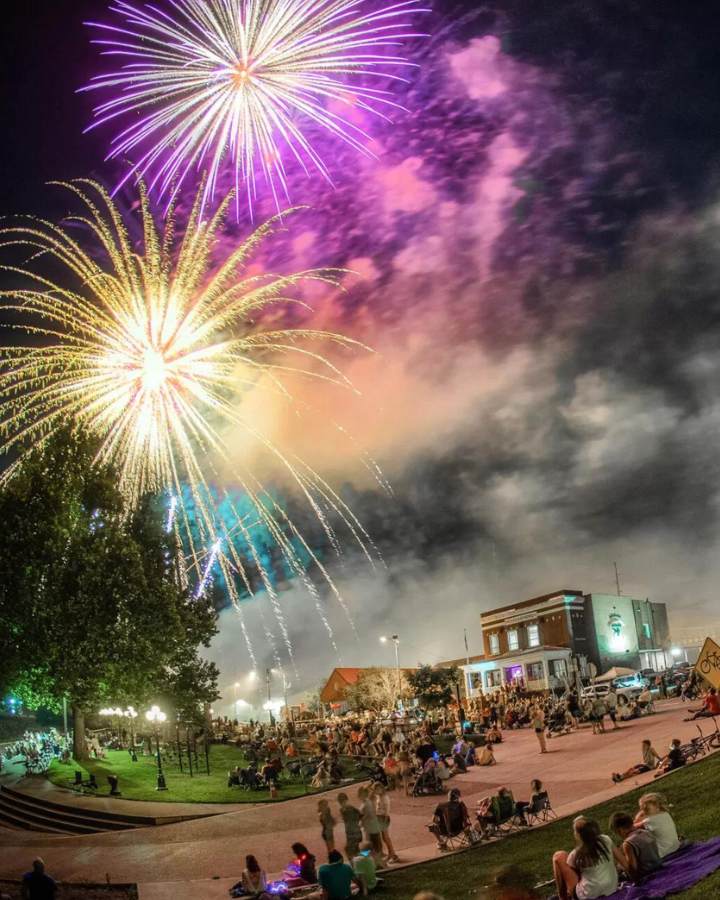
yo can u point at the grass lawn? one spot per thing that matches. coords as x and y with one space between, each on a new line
692 792
139 779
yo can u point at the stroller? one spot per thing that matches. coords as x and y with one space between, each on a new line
374 772
426 784
557 722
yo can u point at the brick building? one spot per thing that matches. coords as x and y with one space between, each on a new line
547 639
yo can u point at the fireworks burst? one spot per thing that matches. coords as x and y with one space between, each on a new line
151 357
237 78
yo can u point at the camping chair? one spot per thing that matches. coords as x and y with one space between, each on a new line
452 838
540 811
501 817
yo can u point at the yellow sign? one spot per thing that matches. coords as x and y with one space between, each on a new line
708 664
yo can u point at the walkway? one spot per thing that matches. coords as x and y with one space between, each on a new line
576 771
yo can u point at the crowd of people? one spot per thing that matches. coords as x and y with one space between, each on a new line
36 749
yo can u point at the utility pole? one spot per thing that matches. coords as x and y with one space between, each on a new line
617 580
468 685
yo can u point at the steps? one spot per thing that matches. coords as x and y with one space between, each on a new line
23 811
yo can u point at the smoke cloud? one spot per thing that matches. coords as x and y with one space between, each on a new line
539 286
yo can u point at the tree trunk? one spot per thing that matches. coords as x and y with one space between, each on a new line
79 742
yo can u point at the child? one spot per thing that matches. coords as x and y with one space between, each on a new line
351 820
327 824
655 817
674 759
650 757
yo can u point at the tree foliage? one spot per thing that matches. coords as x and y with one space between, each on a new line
90 603
434 688
378 688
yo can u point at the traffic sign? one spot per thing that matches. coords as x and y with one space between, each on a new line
708 663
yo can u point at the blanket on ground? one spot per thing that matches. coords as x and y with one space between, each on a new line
679 871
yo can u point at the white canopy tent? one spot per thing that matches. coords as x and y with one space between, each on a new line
616 672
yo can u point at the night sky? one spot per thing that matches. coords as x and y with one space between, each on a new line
540 243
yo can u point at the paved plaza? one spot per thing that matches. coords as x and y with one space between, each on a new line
576 771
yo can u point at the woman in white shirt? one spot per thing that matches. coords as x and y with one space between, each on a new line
655 818
589 870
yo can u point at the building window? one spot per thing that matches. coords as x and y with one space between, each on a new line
513 640
533 635
494 644
535 671
646 629
494 678
558 668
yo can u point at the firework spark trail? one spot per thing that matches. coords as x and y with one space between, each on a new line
204 80
146 357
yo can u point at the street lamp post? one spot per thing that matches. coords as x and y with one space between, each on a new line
396 640
157 717
269 699
130 714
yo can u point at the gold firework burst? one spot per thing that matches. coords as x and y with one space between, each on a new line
150 353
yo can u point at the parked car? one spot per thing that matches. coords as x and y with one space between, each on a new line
625 690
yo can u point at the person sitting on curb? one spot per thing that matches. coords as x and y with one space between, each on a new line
36 885
366 871
674 759
335 878
651 759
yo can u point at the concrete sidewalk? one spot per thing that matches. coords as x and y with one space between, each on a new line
576 771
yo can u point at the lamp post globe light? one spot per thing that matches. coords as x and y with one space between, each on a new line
396 640
157 717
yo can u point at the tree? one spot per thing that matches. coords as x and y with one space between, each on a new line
90 604
434 688
378 688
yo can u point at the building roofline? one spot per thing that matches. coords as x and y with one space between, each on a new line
521 604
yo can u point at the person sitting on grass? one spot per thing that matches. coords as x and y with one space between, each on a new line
651 759
335 878
322 777
589 870
36 885
365 870
654 816
509 883
674 759
639 846
449 819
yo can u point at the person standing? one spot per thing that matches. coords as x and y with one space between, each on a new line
370 822
327 824
351 820
538 725
382 806
611 701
